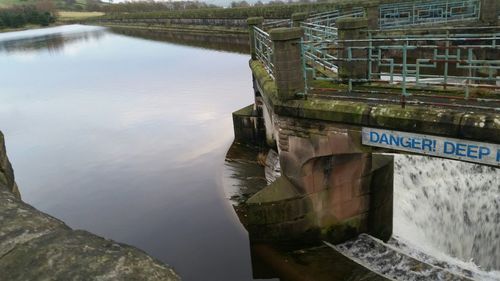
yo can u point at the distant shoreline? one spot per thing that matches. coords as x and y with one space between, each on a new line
64 18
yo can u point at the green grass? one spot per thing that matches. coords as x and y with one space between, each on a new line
60 4
276 12
76 16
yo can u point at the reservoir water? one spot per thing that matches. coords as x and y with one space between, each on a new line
124 135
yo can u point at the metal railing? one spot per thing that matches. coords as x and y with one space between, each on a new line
460 60
264 49
316 46
398 15
320 33
330 18
277 23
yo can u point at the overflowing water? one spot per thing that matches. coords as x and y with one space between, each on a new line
446 217
449 209
446 222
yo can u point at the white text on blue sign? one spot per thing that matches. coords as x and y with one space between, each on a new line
484 153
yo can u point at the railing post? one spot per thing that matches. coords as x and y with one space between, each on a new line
251 22
488 13
352 29
287 61
298 18
373 14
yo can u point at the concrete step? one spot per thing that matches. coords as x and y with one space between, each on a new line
419 255
393 263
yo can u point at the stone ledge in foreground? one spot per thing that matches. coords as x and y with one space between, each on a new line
36 246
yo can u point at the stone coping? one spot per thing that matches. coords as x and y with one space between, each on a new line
484 127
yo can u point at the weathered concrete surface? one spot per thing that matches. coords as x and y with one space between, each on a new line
287 61
332 198
6 172
36 246
248 126
434 120
352 29
331 187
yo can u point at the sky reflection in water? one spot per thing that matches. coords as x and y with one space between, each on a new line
126 138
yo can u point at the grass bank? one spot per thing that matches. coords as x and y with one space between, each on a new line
188 29
271 12
71 16
64 17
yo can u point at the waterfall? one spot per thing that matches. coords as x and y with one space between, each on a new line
449 209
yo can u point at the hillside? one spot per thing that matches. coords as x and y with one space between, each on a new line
72 5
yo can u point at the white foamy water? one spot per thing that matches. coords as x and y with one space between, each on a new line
449 210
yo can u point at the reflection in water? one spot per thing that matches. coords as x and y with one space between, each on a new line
237 43
126 138
54 40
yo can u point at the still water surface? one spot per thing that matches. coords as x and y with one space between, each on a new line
126 137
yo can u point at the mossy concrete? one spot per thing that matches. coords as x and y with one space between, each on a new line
447 122
333 187
300 16
248 126
286 33
279 190
337 207
351 23
255 21
78 255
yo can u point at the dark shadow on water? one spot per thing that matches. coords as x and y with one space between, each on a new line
235 43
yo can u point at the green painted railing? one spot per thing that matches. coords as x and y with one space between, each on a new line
397 15
331 17
445 60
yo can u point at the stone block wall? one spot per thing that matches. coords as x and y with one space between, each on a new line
331 187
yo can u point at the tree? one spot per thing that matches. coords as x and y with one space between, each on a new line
46 6
239 4
92 5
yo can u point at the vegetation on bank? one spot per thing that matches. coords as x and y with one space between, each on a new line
272 11
43 13
61 5
73 16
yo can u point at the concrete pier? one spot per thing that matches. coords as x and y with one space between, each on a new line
332 186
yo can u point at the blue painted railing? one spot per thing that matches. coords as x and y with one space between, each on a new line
458 60
331 17
401 15
465 61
